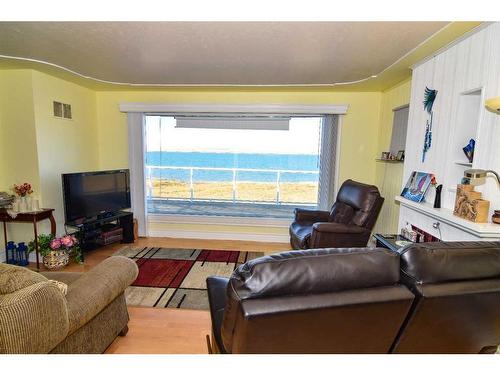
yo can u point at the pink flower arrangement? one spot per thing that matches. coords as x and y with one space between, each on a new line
55 243
67 241
23 189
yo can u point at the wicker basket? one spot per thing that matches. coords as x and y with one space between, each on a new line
56 259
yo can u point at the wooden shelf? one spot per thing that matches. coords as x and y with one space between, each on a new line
445 215
389 161
463 163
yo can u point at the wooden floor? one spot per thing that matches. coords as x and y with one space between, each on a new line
168 331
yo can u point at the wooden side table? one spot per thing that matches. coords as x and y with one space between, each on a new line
30 217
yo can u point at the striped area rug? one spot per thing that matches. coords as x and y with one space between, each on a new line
175 278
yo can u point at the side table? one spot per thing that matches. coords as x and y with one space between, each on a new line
393 242
30 217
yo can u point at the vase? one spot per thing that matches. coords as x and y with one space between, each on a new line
437 198
56 259
23 204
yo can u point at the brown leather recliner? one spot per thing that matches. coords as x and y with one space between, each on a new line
348 224
457 305
315 301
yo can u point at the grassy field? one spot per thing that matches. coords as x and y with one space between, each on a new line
252 191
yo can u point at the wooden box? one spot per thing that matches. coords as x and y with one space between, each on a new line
469 204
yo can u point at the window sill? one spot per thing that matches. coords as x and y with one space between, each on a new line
221 220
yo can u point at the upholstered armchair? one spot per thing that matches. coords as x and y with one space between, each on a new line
348 224
64 312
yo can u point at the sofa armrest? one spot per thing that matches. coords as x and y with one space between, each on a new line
33 319
338 235
217 297
96 289
311 215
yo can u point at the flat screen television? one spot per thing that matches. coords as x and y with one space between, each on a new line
90 194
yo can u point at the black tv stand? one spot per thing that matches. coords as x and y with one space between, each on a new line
90 229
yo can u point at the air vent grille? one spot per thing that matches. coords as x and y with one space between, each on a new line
62 110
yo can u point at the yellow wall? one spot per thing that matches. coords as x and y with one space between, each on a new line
18 147
63 145
389 175
36 147
358 140
359 128
18 151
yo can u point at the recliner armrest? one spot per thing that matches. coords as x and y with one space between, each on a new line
338 235
339 228
311 215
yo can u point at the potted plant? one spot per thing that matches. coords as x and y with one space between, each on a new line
56 251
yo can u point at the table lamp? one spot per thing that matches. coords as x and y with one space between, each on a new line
478 176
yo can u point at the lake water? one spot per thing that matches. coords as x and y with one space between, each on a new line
232 160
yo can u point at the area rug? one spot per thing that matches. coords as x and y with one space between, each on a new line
175 278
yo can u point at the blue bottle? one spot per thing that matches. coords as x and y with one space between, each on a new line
11 252
22 254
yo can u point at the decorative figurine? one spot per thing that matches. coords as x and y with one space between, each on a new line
469 150
429 97
437 198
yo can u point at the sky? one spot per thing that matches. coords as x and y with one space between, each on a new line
301 138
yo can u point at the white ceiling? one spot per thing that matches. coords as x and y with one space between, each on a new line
217 53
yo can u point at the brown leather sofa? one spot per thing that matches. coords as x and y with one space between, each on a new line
457 305
315 301
443 298
348 224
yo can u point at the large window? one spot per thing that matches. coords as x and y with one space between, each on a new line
232 165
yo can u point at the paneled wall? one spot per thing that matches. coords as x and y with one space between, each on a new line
389 175
465 75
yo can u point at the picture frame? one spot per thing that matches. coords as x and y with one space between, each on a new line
417 186
400 155
385 155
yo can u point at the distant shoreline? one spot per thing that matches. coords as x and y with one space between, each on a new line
269 162
248 191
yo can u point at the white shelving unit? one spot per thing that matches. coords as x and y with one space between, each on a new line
449 224
464 74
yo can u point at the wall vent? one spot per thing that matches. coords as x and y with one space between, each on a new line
62 110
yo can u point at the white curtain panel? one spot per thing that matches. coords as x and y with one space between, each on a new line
136 138
327 162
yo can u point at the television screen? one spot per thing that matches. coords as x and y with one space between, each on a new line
95 193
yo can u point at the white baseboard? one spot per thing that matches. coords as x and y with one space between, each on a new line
279 238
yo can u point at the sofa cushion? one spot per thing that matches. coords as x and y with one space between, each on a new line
315 271
434 262
64 277
13 278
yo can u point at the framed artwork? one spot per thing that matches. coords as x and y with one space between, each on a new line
417 186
